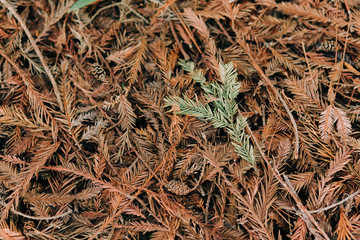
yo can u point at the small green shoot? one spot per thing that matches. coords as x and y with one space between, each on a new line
81 3
221 109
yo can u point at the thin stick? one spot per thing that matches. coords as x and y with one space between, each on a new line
303 215
307 60
178 14
208 203
186 56
37 218
302 212
37 50
60 12
336 204
272 87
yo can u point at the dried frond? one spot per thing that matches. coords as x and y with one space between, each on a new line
109 157
13 116
42 112
342 158
301 230
302 11
7 234
306 93
287 61
137 61
25 143
197 23
344 228
164 60
301 180
120 57
327 120
56 199
123 107
142 227
343 123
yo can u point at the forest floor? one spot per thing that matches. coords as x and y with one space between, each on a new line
192 119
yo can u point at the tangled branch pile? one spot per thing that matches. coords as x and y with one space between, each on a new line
147 119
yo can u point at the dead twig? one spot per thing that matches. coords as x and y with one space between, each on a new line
37 50
186 56
272 87
302 211
336 204
37 218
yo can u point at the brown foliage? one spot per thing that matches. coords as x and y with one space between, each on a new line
88 149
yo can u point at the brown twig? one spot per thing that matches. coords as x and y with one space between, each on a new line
37 50
307 60
186 56
272 87
302 211
336 204
178 14
37 218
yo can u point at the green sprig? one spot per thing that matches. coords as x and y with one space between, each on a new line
221 109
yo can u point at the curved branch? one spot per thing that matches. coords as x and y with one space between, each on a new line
37 50
272 87
36 218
